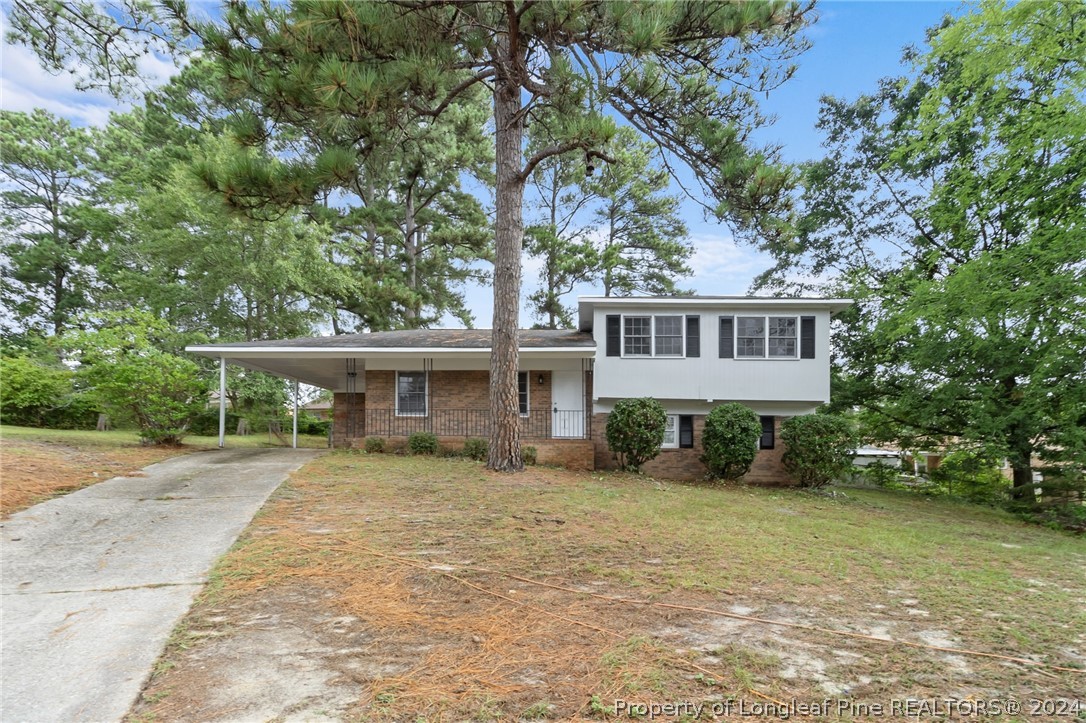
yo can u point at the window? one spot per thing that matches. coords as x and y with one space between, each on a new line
678 432
766 440
522 392
411 394
638 336
669 335
652 336
782 336
762 337
750 337
671 432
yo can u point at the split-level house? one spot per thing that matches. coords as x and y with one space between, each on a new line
691 353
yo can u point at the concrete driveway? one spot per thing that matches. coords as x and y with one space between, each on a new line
94 582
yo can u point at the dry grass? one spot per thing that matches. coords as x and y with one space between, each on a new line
37 464
417 583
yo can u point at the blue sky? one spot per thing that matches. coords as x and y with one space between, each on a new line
854 45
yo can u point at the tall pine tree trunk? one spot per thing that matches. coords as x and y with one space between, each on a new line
504 450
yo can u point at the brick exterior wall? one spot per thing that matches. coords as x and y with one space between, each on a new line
458 402
339 418
684 464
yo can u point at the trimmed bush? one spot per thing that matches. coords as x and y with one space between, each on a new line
530 455
635 431
730 440
819 448
475 448
375 445
422 443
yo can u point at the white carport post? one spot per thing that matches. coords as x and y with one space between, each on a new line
222 402
295 414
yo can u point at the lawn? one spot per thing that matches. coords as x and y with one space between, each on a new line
377 587
37 464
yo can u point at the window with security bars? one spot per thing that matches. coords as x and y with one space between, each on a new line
637 336
411 394
669 335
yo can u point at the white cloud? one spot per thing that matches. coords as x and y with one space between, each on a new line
723 267
25 85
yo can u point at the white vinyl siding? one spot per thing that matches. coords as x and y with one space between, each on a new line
411 394
653 336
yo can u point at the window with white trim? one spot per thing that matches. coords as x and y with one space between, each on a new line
522 393
782 336
637 336
651 336
766 337
411 394
668 335
671 432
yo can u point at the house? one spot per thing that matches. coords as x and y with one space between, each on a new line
319 409
691 353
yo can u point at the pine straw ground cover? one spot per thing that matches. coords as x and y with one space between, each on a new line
377 587
37 464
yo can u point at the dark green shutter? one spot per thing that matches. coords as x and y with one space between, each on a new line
693 336
768 431
806 337
686 431
614 335
727 337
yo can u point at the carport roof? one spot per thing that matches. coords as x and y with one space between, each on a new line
406 341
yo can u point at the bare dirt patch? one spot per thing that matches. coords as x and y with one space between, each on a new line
383 588
31 472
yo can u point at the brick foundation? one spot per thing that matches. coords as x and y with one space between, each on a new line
685 464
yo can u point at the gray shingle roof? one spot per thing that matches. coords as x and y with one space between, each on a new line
426 339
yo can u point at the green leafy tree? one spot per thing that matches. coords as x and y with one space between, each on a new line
45 180
685 75
555 234
128 369
30 389
635 431
730 440
818 448
643 237
951 205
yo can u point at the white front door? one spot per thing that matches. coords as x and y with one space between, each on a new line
567 404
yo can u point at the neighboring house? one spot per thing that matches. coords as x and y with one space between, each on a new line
690 353
319 408
871 455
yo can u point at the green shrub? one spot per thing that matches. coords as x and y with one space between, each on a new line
375 445
730 440
475 448
130 374
29 390
530 455
206 423
422 443
818 448
880 474
973 476
635 431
